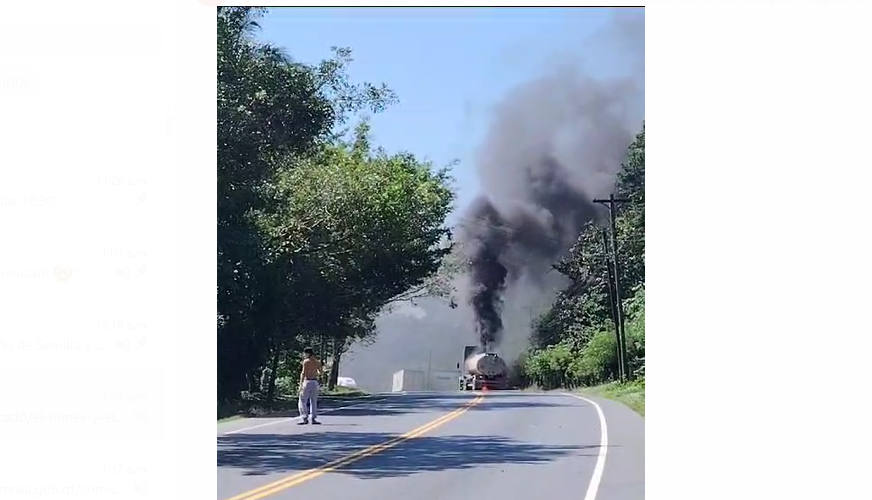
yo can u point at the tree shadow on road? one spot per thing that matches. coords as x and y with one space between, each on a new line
262 454
419 403
401 404
358 411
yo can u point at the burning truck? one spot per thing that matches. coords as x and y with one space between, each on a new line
481 368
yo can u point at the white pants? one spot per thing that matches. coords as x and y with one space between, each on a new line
309 399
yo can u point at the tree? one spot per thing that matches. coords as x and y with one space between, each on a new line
578 321
631 220
350 230
270 108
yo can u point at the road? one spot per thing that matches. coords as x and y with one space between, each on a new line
441 446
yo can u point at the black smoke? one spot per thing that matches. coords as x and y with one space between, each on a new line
553 145
503 245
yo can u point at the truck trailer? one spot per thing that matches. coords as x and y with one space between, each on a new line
481 368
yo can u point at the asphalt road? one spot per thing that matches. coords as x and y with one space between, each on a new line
494 446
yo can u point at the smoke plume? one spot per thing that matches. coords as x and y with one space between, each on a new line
553 145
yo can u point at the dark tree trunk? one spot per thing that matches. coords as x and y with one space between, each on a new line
271 383
334 368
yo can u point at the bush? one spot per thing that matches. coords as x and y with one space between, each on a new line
635 330
286 386
547 368
563 365
598 361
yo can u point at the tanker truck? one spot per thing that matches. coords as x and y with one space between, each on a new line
480 368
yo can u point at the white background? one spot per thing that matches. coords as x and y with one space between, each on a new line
757 131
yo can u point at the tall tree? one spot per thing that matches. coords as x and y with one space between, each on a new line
270 108
631 220
355 229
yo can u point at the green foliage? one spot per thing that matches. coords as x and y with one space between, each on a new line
631 393
566 365
356 228
635 331
317 230
598 361
548 368
574 343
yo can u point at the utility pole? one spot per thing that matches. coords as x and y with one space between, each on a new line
610 281
613 204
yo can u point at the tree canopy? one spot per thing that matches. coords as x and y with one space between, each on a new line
574 342
317 230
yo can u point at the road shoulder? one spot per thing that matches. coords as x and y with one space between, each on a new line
624 474
327 406
631 394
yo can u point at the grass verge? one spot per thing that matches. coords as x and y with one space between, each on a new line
631 394
255 405
344 392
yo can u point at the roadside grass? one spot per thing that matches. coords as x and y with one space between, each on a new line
344 392
255 406
631 394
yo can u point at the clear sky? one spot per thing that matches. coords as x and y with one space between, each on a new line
447 65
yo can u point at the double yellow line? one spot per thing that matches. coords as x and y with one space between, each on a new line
301 477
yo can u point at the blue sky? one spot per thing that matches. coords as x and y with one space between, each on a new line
447 65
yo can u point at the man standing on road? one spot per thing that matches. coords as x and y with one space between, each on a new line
309 387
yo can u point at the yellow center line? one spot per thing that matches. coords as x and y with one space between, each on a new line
301 477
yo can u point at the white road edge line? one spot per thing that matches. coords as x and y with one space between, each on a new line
325 410
597 475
